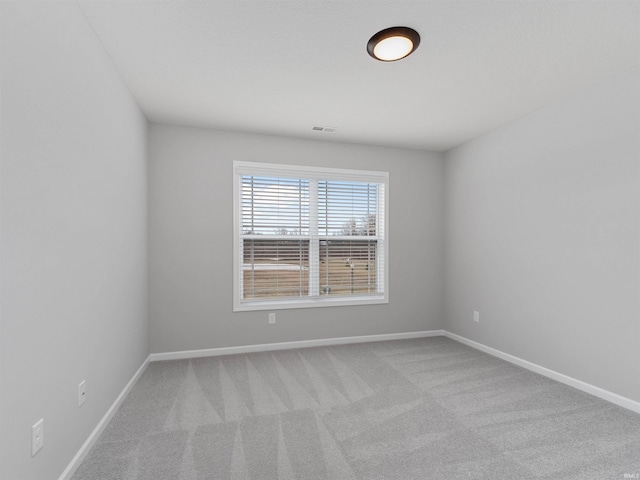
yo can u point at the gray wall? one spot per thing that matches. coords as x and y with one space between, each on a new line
73 286
191 238
542 236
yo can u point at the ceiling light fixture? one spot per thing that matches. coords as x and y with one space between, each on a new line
393 43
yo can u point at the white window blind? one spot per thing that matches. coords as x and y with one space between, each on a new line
308 236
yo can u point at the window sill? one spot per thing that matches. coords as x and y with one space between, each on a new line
309 303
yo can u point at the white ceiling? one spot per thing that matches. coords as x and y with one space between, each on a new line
281 67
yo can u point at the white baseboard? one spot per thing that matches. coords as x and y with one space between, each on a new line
84 450
560 377
212 352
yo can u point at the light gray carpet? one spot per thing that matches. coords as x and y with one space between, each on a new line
410 409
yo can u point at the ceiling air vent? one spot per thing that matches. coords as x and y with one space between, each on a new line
318 128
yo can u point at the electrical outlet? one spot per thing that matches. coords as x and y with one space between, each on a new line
37 437
272 318
476 316
82 392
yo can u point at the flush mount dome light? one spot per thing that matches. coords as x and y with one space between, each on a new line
393 43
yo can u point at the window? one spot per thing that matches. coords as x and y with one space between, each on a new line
308 237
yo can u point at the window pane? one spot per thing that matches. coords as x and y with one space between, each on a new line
275 206
308 237
347 208
348 267
275 268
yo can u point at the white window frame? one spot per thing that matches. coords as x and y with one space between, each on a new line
314 299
